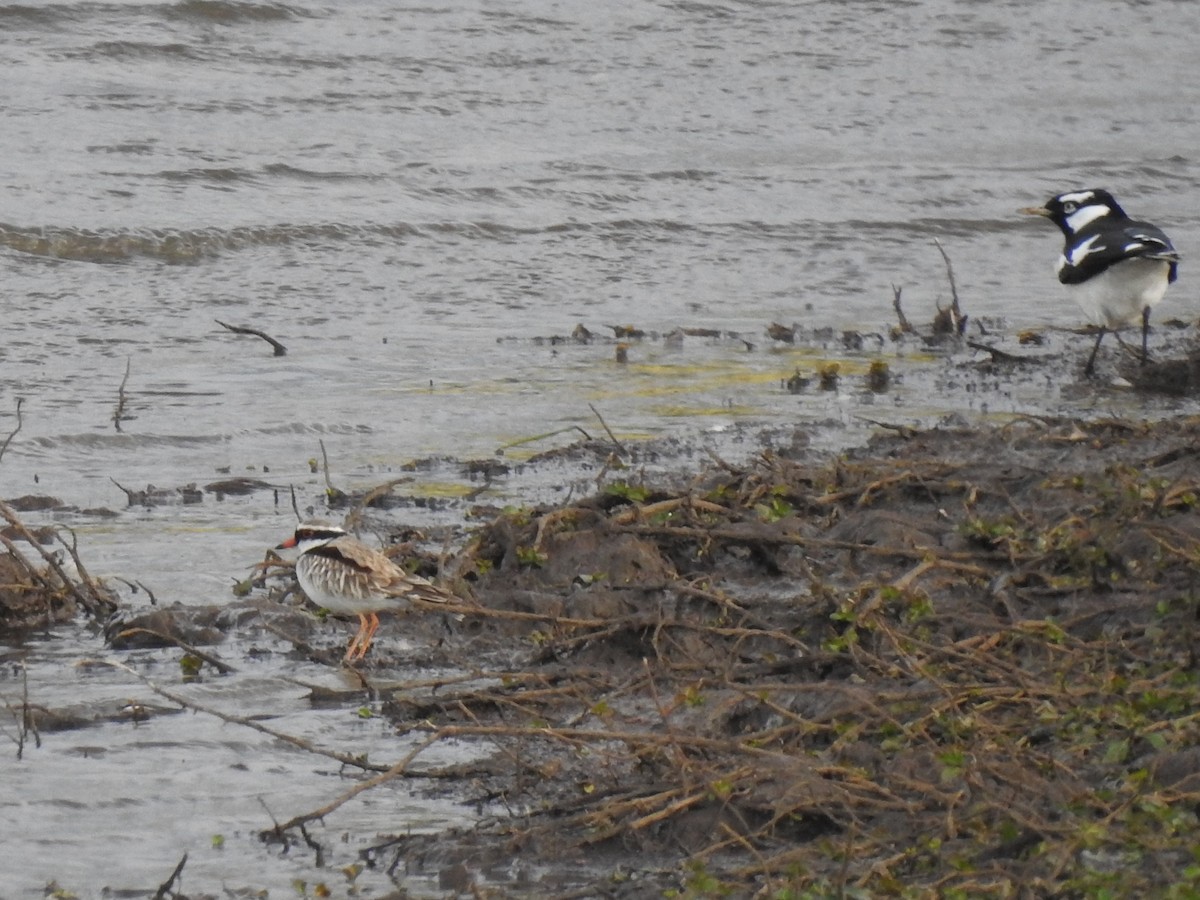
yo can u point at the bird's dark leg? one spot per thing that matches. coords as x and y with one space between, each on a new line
1090 368
1145 331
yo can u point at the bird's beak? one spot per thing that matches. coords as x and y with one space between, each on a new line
1034 211
289 543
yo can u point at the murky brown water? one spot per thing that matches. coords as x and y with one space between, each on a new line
405 197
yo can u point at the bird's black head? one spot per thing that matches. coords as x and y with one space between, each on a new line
312 534
1074 210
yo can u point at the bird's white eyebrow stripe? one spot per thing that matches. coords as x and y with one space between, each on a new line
1083 216
1078 197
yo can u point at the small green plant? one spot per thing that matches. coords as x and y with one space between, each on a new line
531 557
632 492
774 510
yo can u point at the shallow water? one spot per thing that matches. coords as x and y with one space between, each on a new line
407 197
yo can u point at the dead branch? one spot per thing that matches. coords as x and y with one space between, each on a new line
222 667
118 415
957 323
280 350
86 592
358 761
905 327
999 355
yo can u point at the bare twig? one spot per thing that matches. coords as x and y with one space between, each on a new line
958 322
352 518
280 350
612 437
905 325
333 494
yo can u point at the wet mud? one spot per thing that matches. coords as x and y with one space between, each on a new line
958 662
955 661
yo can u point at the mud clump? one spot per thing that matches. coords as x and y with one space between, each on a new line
956 662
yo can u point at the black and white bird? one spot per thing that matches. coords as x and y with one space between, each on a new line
345 576
1117 268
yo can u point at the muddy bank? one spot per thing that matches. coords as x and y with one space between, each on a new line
954 662
951 660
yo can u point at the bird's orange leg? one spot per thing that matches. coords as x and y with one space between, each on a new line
371 629
356 640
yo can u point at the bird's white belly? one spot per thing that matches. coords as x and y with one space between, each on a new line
342 590
1117 296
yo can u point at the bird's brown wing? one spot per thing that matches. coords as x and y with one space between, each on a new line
415 586
388 577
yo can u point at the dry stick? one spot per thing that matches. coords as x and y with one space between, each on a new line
567 735
734 536
355 514
646 511
280 350
119 412
612 437
13 434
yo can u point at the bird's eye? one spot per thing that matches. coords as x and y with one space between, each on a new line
1069 207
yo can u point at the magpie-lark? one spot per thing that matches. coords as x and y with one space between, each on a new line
1116 268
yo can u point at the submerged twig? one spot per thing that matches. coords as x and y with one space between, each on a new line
1000 355
280 350
384 776
537 437
222 667
118 415
164 889
348 759
13 433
